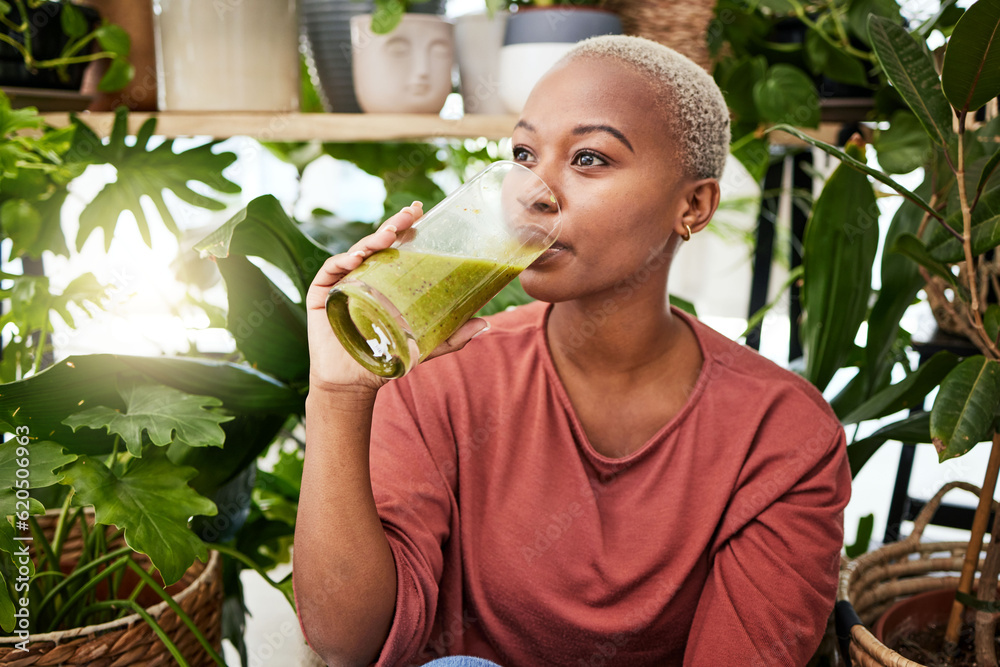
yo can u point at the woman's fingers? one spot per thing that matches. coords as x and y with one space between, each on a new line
460 338
386 234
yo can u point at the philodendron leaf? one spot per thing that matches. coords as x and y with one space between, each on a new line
143 171
388 14
264 230
970 74
911 70
839 248
787 95
152 502
164 413
904 146
43 460
965 407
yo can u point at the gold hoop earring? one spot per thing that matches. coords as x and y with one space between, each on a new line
687 237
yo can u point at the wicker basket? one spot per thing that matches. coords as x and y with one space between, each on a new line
872 583
130 640
681 25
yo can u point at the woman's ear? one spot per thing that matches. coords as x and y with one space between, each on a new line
701 199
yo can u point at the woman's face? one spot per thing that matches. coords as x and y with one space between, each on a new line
592 131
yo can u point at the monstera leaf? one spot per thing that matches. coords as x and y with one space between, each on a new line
163 413
152 502
143 171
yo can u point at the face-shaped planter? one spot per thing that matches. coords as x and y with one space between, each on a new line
405 71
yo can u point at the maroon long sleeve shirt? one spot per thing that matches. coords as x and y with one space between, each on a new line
715 543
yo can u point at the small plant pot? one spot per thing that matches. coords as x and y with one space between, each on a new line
405 71
536 38
898 587
478 40
231 55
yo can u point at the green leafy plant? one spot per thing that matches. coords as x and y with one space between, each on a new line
37 166
941 241
16 21
776 60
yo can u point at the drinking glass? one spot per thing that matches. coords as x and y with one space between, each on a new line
404 301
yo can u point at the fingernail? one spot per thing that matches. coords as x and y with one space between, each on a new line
358 253
391 228
418 203
409 209
481 331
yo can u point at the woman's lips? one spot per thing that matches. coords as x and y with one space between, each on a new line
551 254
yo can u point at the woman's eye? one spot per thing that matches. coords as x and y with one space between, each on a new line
588 160
521 154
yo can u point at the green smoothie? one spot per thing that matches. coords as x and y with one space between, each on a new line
433 294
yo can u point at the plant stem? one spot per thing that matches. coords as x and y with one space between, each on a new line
62 529
986 622
16 44
989 347
60 62
979 522
177 610
67 608
77 574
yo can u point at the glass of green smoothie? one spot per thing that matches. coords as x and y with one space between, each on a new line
404 301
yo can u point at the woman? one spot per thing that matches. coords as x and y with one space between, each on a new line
598 479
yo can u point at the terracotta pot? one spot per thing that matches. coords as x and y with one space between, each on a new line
136 18
918 611
405 71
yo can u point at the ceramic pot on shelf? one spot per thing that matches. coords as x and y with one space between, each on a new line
405 71
228 55
326 43
478 40
537 37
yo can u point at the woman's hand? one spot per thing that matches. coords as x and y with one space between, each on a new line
331 367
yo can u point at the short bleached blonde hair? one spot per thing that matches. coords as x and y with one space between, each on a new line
688 95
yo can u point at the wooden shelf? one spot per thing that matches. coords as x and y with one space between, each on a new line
304 126
339 126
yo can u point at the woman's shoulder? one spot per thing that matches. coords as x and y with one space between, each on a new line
751 376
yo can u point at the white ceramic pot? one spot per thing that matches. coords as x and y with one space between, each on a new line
522 65
227 55
538 37
405 71
478 40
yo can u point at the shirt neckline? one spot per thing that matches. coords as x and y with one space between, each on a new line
703 378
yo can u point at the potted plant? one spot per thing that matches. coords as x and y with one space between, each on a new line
326 29
145 442
48 44
539 34
936 242
401 61
786 62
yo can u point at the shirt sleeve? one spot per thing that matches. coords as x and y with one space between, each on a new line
414 495
773 578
